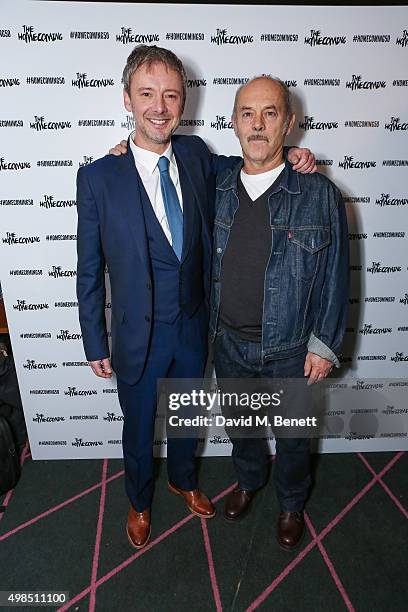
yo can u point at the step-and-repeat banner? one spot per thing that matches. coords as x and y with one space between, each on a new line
61 108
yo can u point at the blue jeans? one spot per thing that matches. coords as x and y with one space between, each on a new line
239 358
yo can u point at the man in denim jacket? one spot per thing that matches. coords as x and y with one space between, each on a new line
280 287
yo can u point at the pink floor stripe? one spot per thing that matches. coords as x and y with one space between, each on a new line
211 566
58 507
130 560
9 495
330 565
321 535
224 493
95 562
127 562
261 598
384 486
359 495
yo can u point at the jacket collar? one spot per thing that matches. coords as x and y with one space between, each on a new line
288 180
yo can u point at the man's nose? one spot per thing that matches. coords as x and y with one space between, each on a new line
258 123
159 104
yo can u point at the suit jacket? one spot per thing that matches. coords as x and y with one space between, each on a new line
111 231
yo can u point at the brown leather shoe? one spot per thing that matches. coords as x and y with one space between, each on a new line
291 529
138 527
237 504
197 502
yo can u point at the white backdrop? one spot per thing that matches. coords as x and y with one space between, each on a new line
61 107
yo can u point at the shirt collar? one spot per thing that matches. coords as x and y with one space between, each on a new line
288 179
149 159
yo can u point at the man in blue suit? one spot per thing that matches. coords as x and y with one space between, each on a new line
148 216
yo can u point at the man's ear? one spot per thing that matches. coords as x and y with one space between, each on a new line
126 101
291 124
234 125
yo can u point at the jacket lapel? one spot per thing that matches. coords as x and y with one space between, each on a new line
194 182
129 199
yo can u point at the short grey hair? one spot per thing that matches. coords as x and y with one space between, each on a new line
148 55
287 98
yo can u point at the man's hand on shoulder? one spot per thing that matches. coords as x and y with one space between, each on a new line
101 367
121 148
316 368
302 160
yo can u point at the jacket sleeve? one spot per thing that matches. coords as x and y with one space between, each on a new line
222 162
331 320
90 273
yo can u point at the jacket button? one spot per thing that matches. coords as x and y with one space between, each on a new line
219 250
147 318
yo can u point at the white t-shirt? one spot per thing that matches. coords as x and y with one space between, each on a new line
257 184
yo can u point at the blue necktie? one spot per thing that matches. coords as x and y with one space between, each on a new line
171 205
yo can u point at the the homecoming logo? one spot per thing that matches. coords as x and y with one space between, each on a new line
349 163
385 200
129 123
196 83
12 238
309 123
28 35
40 418
66 335
74 392
13 165
377 268
402 41
369 329
111 417
358 83
221 123
40 124
399 357
126 37
32 365
22 305
58 272
316 38
81 442
222 38
49 202
395 124
83 81
9 82
87 160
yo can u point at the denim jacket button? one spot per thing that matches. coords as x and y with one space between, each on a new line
219 250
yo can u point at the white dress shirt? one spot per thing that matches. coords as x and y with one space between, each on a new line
146 164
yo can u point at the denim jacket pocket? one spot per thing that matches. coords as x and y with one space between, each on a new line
308 244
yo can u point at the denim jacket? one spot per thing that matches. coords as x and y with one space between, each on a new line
306 278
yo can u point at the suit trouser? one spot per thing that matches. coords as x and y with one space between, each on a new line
176 350
238 358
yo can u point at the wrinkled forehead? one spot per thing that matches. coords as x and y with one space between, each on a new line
261 92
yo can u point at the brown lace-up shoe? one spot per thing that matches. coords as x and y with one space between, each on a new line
238 504
197 502
138 527
291 529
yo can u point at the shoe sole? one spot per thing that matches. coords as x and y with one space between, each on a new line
204 516
138 546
